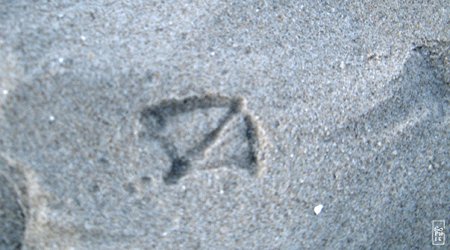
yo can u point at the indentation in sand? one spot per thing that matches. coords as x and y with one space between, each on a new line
13 206
421 96
203 132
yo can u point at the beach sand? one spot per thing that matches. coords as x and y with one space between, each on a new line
223 125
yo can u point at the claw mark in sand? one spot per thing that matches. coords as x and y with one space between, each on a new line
204 132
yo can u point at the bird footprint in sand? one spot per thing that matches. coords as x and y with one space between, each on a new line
203 133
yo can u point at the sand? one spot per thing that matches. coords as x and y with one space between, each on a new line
223 125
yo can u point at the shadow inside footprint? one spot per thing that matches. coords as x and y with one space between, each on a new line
179 168
12 216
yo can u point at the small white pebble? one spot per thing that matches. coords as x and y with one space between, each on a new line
318 209
60 60
5 91
394 152
88 226
83 38
51 118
